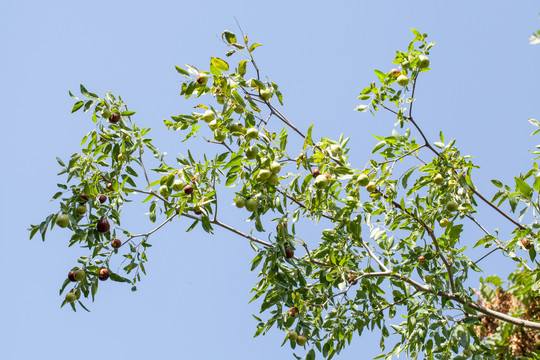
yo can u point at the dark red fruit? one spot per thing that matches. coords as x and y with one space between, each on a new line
103 274
71 276
188 189
526 243
352 280
103 225
281 227
315 173
116 243
289 253
102 198
293 312
83 198
421 259
327 175
114 118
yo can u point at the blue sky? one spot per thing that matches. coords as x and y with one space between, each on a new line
194 301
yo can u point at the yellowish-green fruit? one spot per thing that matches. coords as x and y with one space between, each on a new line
202 78
321 181
79 275
251 205
438 179
371 187
292 335
240 202
106 113
263 175
121 157
275 167
467 353
402 80
423 61
208 116
252 152
428 279
219 135
336 150
451 206
235 129
220 99
62 220
267 94
238 109
252 133
164 191
71 297
178 185
363 180
213 125
444 222
273 179
301 340
81 209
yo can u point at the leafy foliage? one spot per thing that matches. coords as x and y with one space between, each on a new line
393 239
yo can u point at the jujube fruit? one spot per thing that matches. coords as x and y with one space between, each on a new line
240 202
202 78
102 198
116 243
79 275
252 133
363 180
301 340
81 209
451 205
114 118
275 167
423 61
104 274
103 225
219 135
315 173
402 80
62 220
321 181
71 297
292 335
251 205
106 113
83 198
71 276
293 311
252 152
178 185
208 116
188 189
371 187
289 253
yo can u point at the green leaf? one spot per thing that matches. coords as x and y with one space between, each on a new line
219 64
380 75
497 183
182 71
79 104
242 67
254 46
229 36
523 187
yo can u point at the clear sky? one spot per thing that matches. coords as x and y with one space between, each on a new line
194 302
